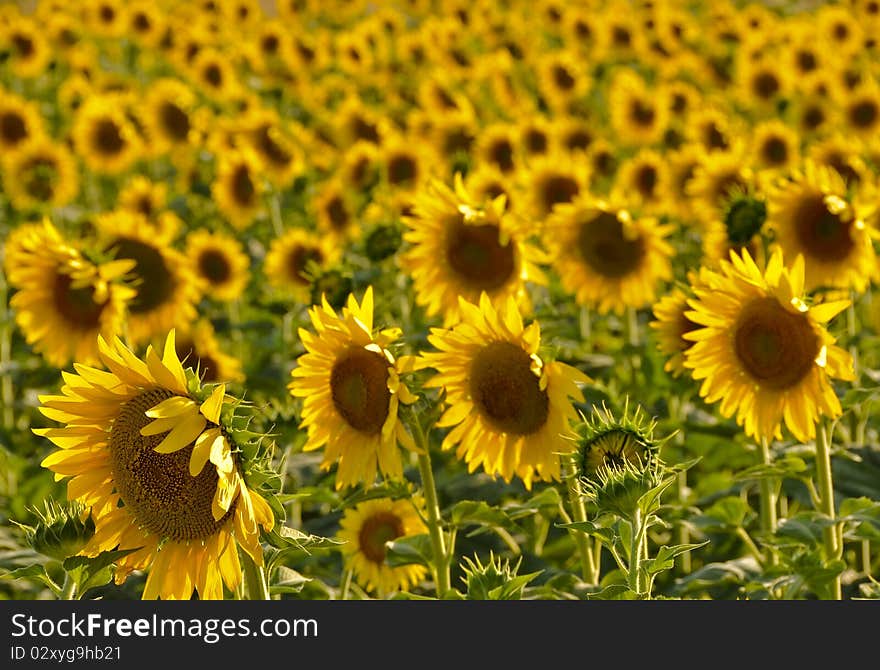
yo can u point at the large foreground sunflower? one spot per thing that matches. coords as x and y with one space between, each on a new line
366 528
63 301
351 390
607 258
148 452
510 408
762 351
460 248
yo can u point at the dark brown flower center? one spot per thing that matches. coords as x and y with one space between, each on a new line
157 489
39 176
298 261
776 347
107 137
822 234
476 254
562 78
175 121
359 387
243 190
76 305
501 154
774 151
23 44
646 181
402 169
337 213
864 114
536 141
765 85
606 249
364 130
213 75
555 189
376 530
506 391
641 113
214 266
156 282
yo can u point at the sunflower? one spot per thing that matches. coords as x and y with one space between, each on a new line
775 146
137 445
197 346
366 528
740 226
861 109
29 52
168 115
811 216
335 211
460 247
553 180
279 157
607 258
716 179
574 133
671 324
63 301
603 161
215 75
638 115
497 146
405 165
535 135
294 256
237 188
845 155
104 136
351 391
840 29
643 181
167 290
563 79
683 164
487 183
40 173
762 83
106 17
219 262
510 408
146 23
762 351
712 128
19 121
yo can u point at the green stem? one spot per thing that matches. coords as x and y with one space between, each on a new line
750 544
346 584
438 543
636 584
68 590
589 570
275 213
256 586
833 547
866 557
7 392
632 327
768 497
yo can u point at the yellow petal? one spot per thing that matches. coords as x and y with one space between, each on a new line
201 451
183 434
172 362
172 407
210 409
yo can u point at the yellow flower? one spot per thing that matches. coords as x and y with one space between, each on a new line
366 528
40 173
762 351
104 137
219 262
351 391
136 444
509 407
290 258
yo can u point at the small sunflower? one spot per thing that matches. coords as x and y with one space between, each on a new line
153 455
607 258
104 136
366 528
459 247
861 110
168 115
811 216
510 408
28 51
553 180
19 121
143 196
715 180
638 115
497 146
351 392
335 211
197 346
606 442
644 182
40 173
275 149
237 188
762 351
166 289
775 146
293 256
671 324
63 301
215 75
219 262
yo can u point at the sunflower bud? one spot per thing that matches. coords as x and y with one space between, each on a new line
334 286
62 530
743 217
496 580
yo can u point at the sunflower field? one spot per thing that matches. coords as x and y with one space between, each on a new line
454 299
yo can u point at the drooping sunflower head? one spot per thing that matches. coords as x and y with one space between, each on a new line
350 384
461 247
812 215
366 528
762 350
510 408
63 300
607 258
162 463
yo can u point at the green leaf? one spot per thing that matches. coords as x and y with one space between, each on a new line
285 537
614 592
288 581
546 501
650 501
467 512
665 558
592 529
90 572
37 572
786 466
727 513
390 489
415 549
719 575
803 528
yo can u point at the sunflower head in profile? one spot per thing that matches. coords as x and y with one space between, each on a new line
296 258
166 289
219 262
351 389
158 460
607 258
40 173
762 350
812 216
460 247
63 300
366 528
509 408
